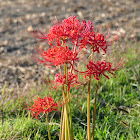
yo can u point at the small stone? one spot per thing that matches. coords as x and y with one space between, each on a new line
66 1
21 19
80 14
15 21
28 16
121 30
5 43
30 29
103 15
43 14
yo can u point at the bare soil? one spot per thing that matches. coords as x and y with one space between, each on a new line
18 17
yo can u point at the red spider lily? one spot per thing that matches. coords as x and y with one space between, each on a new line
69 28
75 29
101 67
61 80
97 41
80 33
44 105
55 55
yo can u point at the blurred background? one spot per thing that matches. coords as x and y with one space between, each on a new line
19 17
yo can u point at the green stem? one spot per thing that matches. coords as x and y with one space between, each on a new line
62 112
66 126
61 123
29 115
70 118
66 94
49 136
88 110
94 113
63 129
67 122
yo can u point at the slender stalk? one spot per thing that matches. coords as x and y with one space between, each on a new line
63 129
29 115
65 106
94 113
69 104
66 126
60 69
49 136
88 110
65 96
67 122
61 123
70 118
66 93
62 112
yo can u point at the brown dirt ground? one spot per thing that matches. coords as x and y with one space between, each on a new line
17 17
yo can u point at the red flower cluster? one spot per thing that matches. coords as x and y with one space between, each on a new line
69 28
101 67
44 105
55 55
80 33
61 80
97 41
